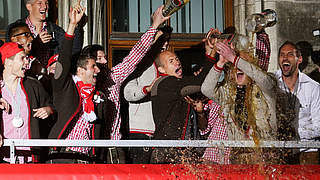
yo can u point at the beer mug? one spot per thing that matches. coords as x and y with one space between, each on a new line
239 42
171 6
258 21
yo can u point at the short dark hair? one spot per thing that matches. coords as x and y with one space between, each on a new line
83 60
13 28
92 50
298 51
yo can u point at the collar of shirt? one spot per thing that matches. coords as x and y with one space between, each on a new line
33 28
302 78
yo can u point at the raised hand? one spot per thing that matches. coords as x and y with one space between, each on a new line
225 50
76 13
158 18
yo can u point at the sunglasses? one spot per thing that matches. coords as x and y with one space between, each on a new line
26 34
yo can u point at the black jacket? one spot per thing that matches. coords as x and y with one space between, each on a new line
66 98
170 110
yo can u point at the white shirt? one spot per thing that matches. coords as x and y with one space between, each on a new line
308 93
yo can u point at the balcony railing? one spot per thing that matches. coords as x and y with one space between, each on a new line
12 143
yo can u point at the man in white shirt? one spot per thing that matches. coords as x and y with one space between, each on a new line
303 95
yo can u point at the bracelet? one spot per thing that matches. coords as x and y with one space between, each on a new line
217 67
235 61
211 58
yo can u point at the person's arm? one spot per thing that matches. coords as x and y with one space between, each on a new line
266 83
127 66
210 83
46 107
64 61
78 40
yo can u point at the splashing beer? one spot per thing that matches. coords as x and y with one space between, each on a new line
171 6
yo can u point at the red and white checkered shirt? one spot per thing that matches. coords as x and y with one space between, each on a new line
33 28
121 71
81 131
218 131
263 50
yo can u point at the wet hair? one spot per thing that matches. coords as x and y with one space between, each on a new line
92 50
13 28
298 51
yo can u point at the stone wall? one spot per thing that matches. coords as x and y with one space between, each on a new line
296 20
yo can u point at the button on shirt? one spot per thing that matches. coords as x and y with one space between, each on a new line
308 94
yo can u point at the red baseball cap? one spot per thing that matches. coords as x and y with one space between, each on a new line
9 49
52 60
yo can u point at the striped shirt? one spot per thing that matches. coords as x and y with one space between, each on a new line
121 71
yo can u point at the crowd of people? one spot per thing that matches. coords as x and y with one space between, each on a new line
53 88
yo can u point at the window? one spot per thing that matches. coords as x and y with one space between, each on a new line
10 11
196 17
128 19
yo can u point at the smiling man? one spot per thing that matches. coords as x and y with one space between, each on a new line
306 101
73 97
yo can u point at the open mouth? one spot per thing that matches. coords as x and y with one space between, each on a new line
286 66
240 74
43 13
179 71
